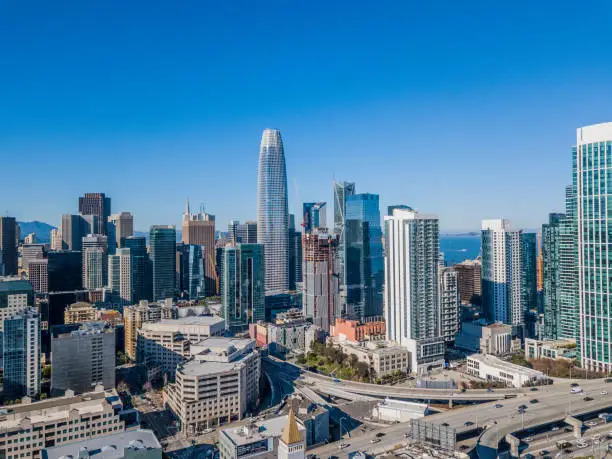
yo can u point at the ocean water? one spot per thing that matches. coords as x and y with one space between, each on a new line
459 248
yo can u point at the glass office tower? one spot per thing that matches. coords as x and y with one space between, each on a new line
243 287
529 283
272 210
593 211
551 244
163 259
364 263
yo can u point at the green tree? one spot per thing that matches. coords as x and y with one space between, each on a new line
46 371
301 359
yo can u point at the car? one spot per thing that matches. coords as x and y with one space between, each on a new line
343 445
608 380
590 423
522 407
535 400
498 405
380 434
604 416
468 423
444 424
581 445
529 439
206 431
574 384
603 392
337 381
533 389
407 434
489 389
554 429
588 399
375 440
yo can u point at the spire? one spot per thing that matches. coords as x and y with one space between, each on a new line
291 434
187 212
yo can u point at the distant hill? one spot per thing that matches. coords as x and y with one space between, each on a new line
42 230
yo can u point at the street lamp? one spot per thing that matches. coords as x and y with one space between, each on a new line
343 417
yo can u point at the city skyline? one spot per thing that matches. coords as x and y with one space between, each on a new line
141 104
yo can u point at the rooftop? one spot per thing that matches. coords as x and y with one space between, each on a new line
271 428
14 284
500 364
106 447
196 321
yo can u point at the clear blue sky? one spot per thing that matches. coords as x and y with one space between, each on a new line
464 109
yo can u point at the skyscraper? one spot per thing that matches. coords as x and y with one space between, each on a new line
242 233
502 293
314 216
120 278
529 271
272 211
470 281
321 288
190 266
75 228
295 254
8 246
551 254
96 204
142 270
123 223
594 200
341 191
65 270
21 354
199 229
243 286
56 239
163 258
95 267
363 258
412 309
568 265
450 303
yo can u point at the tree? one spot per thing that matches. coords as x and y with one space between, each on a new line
122 387
46 371
362 369
353 361
43 396
301 359
121 358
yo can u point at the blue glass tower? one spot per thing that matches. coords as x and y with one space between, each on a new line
364 263
163 258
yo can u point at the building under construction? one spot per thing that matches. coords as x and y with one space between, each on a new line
321 280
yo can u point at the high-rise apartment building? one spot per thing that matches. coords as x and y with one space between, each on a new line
593 201
551 254
38 275
95 262
123 224
363 258
163 258
450 303
83 356
243 286
314 216
295 254
16 295
30 239
21 354
142 270
96 204
412 308
321 286
529 271
272 211
120 278
80 312
199 229
502 293
568 265
8 246
470 280
341 191
412 305
190 271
